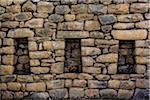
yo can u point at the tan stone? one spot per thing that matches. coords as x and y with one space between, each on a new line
91 70
108 93
142 60
39 70
59 52
127 85
113 84
120 77
79 9
32 45
40 54
47 45
10 24
6 69
13 86
13 8
90 51
112 69
123 25
102 77
87 42
25 78
68 83
8 41
20 33
142 52
34 62
87 61
45 7
57 68
79 83
69 17
83 17
130 18
76 93
107 58
72 34
58 45
67 76
29 6
129 34
92 25
118 9
143 24
125 94
5 3
139 7
106 42
96 35
3 86
83 76
8 50
142 83
34 23
8 59
39 86
97 84
92 93
54 84
140 69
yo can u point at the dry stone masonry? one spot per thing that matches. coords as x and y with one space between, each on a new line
74 49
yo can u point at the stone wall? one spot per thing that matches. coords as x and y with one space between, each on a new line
74 49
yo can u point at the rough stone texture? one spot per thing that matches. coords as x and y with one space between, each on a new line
107 19
76 93
6 69
108 93
45 7
107 58
92 25
36 86
14 86
97 9
125 94
58 93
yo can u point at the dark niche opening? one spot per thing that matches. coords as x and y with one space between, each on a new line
21 56
126 59
72 56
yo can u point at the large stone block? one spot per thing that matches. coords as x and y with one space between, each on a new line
39 70
125 94
58 45
57 68
92 93
129 34
123 25
29 6
79 83
23 16
107 58
6 17
24 78
6 69
10 24
87 61
139 7
34 23
62 9
108 93
55 18
72 34
8 59
114 84
75 93
14 86
40 54
107 19
112 69
97 84
92 25
54 84
45 7
79 9
127 85
143 24
91 70
102 77
20 33
90 51
58 93
97 9
39 86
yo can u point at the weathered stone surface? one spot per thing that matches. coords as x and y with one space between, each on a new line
142 60
79 83
142 83
142 52
87 61
68 83
112 69
45 7
76 93
97 84
114 84
91 70
107 58
106 2
5 3
106 28
54 84
125 94
79 9
23 16
57 68
139 7
20 33
68 1
13 86
13 8
90 51
39 54
92 93
39 86
10 24
32 46
107 19
67 75
118 9
72 34
47 45
127 85
29 6
87 42
123 25
130 18
40 15
58 93
102 77
92 25
6 17
124 1
56 18
58 45
39 70
82 17
24 78
7 95
2 10
62 9
129 34
97 9
96 34
40 96
140 69
8 50
141 94
85 76
69 17
120 77
108 93
3 86
70 26
6 69
143 24
105 42
34 23
8 78
8 59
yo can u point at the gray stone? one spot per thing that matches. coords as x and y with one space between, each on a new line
106 28
29 6
97 9
45 7
71 25
62 9
38 96
2 10
56 18
58 93
107 19
76 93
141 94
23 16
97 84
79 9
108 93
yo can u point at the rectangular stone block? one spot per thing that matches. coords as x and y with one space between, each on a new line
40 54
71 26
54 84
40 86
107 58
97 84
